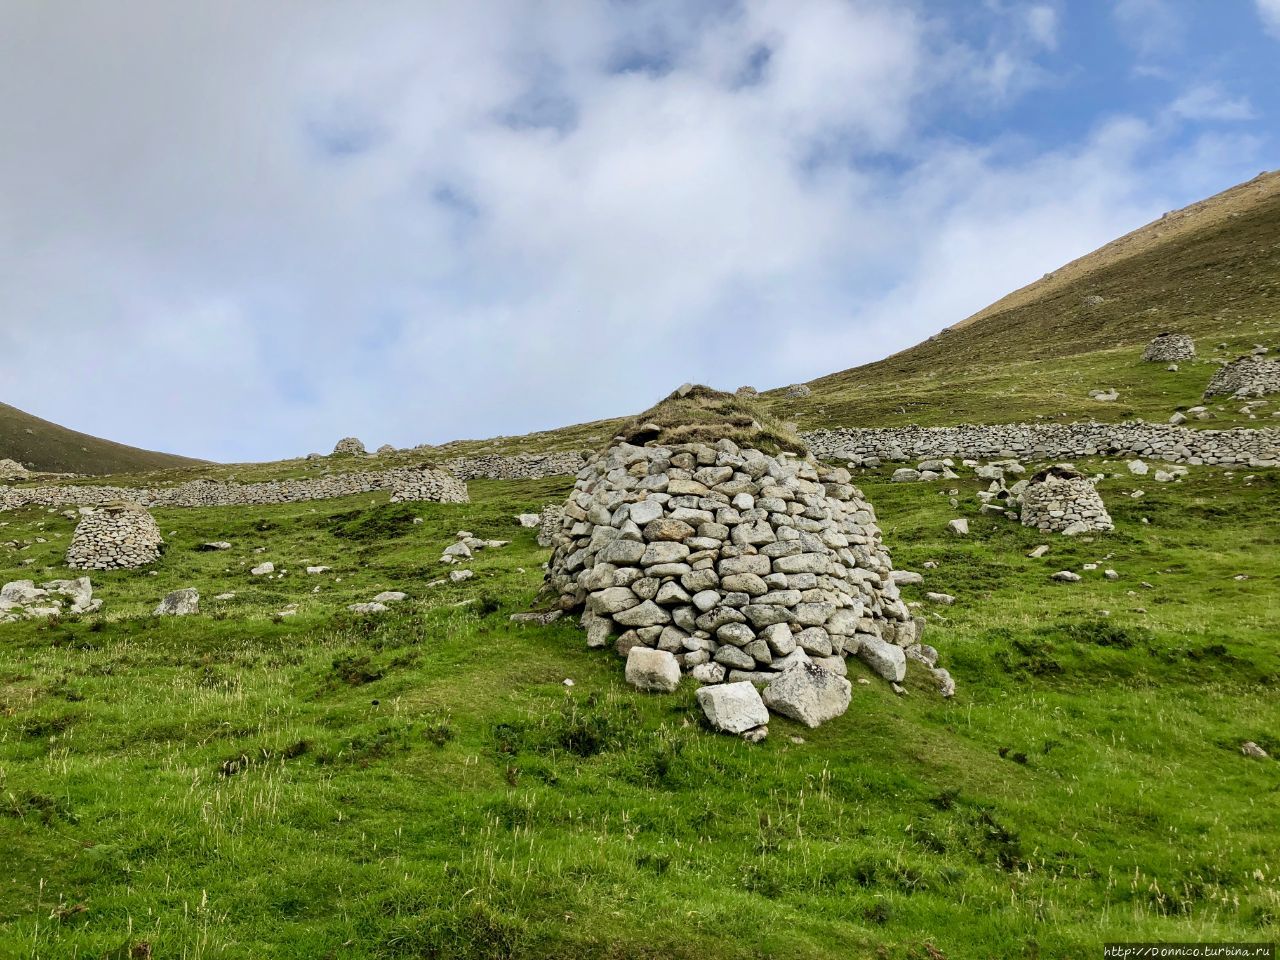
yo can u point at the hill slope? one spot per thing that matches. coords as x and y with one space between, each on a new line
1211 270
41 445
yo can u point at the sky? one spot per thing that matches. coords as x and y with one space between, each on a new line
243 230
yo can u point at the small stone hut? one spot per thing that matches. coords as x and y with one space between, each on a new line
1063 500
436 486
350 447
709 532
115 536
797 390
1247 376
1169 348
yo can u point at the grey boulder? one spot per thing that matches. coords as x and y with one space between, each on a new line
733 707
809 694
179 603
656 671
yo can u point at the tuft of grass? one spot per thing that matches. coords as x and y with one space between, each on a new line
702 415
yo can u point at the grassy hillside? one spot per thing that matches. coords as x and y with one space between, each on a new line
422 784
41 445
1212 271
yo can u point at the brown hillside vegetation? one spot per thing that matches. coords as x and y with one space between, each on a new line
41 445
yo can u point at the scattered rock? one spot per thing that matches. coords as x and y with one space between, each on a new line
179 603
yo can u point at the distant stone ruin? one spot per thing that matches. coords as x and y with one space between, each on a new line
520 466
549 523
745 392
1247 376
431 486
349 447
735 563
1169 348
1062 500
797 390
113 537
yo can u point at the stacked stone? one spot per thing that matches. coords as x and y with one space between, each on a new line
1169 348
113 537
1062 500
797 390
412 483
739 563
1049 441
435 486
549 523
1247 376
11 469
521 466
745 392
349 447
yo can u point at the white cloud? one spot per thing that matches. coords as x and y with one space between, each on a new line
238 233
1042 25
1211 102
1154 28
1269 11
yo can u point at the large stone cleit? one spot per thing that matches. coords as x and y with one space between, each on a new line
1169 348
114 536
739 563
1060 499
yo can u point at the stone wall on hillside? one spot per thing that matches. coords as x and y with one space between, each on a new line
1050 441
405 484
521 466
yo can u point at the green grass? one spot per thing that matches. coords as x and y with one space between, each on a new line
422 784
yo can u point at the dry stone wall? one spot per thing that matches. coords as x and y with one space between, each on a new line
1050 441
523 466
739 564
405 484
